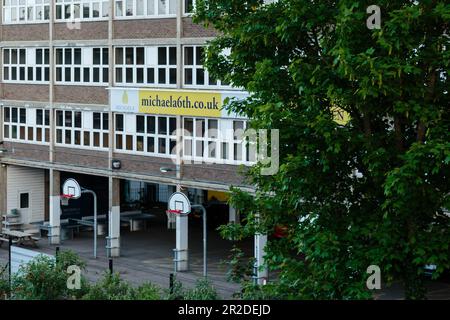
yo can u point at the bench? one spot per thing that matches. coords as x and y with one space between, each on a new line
6 240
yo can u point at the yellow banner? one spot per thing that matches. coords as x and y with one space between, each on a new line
203 104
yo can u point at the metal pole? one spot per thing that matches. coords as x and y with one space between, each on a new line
95 219
9 261
111 265
205 239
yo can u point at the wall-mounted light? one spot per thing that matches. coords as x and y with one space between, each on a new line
116 164
165 169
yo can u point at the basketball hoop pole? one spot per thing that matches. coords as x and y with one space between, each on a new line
205 239
95 218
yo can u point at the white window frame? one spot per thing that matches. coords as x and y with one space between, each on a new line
127 131
84 127
150 62
194 67
15 7
27 125
87 53
7 56
187 13
63 6
170 10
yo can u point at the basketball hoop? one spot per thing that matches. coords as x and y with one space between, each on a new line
65 199
172 217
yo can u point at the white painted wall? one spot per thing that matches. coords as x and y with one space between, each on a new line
26 180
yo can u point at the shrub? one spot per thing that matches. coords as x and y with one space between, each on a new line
147 291
204 290
4 282
177 292
44 278
110 287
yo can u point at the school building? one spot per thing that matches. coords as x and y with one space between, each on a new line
113 93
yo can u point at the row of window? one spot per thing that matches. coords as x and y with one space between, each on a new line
218 140
25 124
133 66
30 11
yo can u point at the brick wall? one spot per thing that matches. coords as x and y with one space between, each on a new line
145 28
25 32
223 174
192 30
82 158
87 31
25 92
81 94
26 151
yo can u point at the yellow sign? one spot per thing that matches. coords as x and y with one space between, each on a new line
204 104
340 116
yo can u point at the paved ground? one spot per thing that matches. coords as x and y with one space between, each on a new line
147 256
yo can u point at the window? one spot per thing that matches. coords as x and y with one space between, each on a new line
194 74
73 128
20 124
82 65
146 66
24 200
26 65
189 6
145 8
206 139
26 11
151 135
69 10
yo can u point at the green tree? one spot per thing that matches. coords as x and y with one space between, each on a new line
370 191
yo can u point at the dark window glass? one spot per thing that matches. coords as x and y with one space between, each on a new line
78 56
172 126
199 56
140 55
23 115
6 114
140 124
97 120
97 55
173 55
150 124
77 119
162 56
68 119
162 125
105 56
14 114
119 144
172 76
39 57
150 75
24 200
150 144
161 75
39 117
119 122
105 121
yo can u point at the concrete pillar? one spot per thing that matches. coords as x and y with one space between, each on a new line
55 207
182 244
113 239
261 271
182 253
3 188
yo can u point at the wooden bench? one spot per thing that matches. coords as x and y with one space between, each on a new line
6 240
